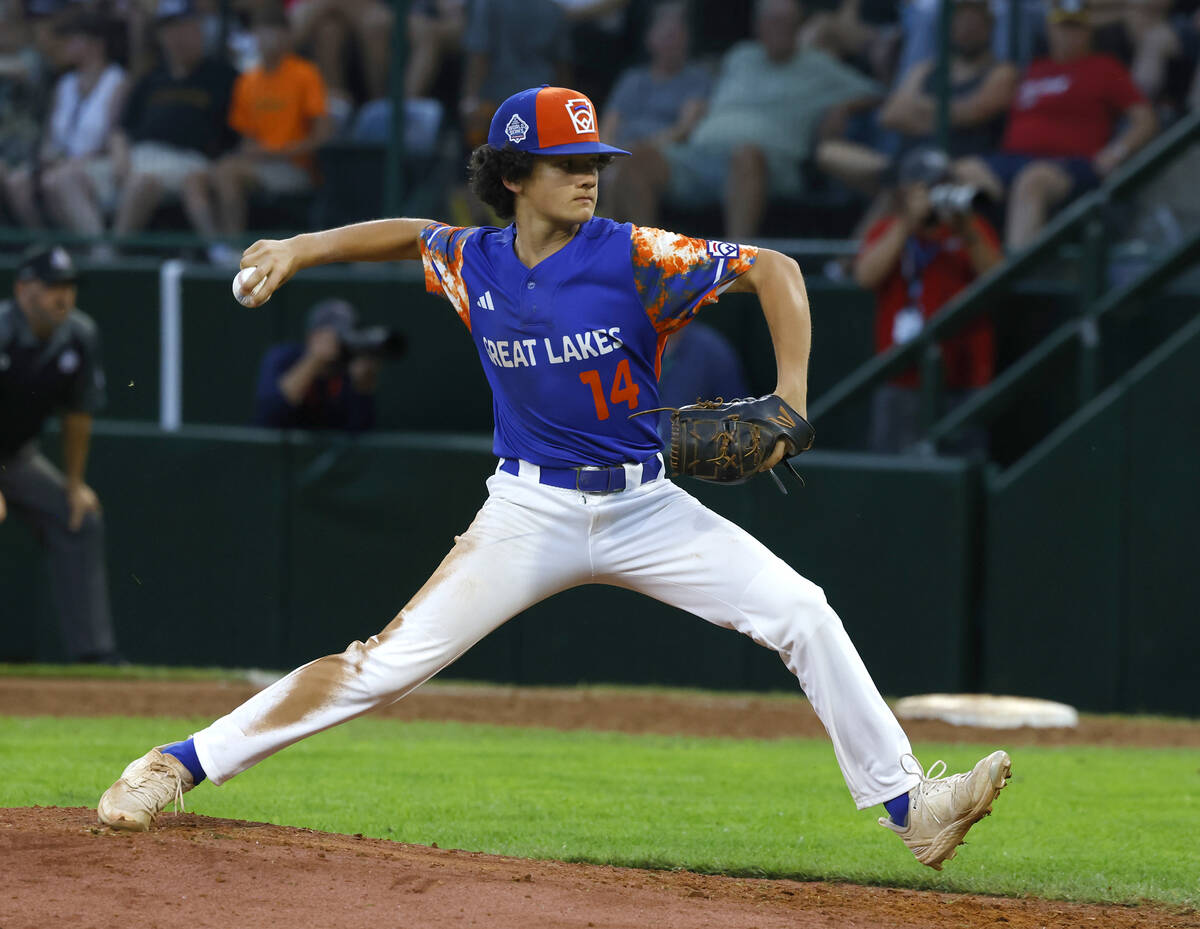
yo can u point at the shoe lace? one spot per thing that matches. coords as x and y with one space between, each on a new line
927 776
157 792
933 780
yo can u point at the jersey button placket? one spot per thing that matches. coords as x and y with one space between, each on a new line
528 306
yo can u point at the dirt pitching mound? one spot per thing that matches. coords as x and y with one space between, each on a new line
60 868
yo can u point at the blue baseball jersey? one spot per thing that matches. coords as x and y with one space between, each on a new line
572 346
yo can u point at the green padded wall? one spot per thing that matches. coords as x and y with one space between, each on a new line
367 524
1089 594
363 542
1051 611
28 625
247 547
194 546
1162 596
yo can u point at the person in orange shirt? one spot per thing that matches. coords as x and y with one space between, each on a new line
279 110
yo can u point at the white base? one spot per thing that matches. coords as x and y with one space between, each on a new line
988 710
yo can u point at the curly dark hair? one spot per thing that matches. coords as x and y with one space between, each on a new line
489 168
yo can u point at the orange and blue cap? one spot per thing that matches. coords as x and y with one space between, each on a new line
549 121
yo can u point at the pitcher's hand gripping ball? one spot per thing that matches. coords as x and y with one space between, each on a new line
240 293
728 443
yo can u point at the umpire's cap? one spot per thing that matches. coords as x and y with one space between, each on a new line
49 264
549 121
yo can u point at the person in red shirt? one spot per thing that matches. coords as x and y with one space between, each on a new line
1059 141
916 258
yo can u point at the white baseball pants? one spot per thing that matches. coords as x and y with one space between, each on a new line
530 541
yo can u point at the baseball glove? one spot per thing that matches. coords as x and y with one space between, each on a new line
728 443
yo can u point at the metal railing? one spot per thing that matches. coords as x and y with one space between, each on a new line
1083 220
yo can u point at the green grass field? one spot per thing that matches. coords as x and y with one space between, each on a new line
1087 824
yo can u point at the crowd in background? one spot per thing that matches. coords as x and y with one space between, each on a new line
748 119
780 118
775 117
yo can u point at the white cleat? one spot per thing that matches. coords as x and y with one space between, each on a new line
941 810
143 791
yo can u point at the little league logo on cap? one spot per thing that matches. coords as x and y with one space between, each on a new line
580 111
549 121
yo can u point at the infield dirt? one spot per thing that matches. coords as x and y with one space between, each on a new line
61 869
633 711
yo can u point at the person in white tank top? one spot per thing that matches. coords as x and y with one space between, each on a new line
74 176
83 115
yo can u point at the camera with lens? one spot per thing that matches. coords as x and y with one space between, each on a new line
377 342
949 200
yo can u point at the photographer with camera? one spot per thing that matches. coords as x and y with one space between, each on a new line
329 381
931 244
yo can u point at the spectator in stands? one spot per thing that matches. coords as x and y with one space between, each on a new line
981 89
29 52
1140 34
603 34
772 102
916 258
510 45
351 43
431 80
435 33
919 20
1059 142
50 365
76 187
279 112
175 120
863 33
319 385
659 103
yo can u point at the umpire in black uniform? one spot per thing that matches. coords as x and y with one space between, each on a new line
50 363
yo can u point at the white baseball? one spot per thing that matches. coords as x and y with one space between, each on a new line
239 292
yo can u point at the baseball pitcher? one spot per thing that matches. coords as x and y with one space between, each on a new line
569 314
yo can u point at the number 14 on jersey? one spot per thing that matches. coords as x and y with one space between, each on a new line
624 390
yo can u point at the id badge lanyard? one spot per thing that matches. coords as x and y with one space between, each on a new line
916 258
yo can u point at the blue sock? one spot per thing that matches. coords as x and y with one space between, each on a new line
898 810
186 752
